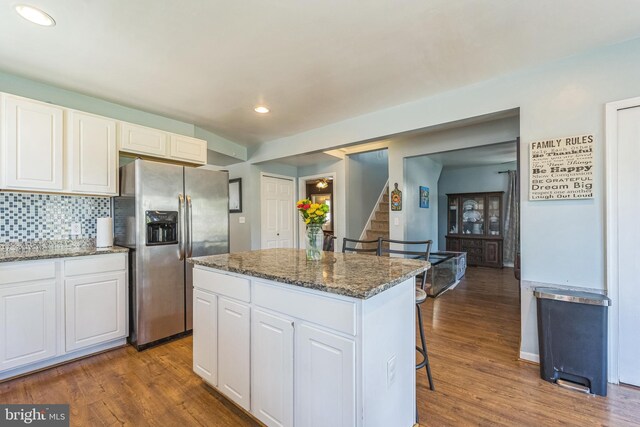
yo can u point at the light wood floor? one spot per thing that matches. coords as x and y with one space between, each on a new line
473 339
473 343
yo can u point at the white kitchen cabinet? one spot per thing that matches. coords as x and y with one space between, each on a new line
92 154
272 368
205 336
27 314
143 140
234 351
28 324
95 309
32 141
325 378
187 149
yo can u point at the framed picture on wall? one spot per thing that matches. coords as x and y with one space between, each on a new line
235 195
424 197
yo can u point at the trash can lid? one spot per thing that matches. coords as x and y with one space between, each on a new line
567 295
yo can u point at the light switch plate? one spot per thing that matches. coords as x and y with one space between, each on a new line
391 371
396 221
241 220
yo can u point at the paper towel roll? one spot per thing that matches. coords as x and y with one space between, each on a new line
104 232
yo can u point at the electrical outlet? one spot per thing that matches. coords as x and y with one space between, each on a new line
241 220
391 371
76 229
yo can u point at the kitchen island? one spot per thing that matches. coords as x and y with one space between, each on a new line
308 343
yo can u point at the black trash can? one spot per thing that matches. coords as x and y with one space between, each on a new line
572 334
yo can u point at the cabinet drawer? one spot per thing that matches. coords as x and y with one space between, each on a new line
222 284
329 312
94 265
27 272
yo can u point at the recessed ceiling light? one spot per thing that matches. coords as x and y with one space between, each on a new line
35 15
261 109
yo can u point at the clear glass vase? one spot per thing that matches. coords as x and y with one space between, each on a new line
313 242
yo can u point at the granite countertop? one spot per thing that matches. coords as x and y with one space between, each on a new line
11 252
352 275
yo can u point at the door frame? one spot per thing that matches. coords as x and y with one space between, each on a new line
611 230
302 188
294 229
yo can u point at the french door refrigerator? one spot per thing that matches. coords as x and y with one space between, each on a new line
165 214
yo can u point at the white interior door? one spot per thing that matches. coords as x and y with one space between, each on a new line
628 193
277 212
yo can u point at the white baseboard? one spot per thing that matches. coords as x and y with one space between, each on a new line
530 357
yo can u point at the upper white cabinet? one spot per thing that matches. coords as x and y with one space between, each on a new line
143 140
32 140
187 149
92 154
146 141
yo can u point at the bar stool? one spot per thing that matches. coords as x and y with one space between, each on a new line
360 246
421 297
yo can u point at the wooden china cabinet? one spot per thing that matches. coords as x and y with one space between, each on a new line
474 226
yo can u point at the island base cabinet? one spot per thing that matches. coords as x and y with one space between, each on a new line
205 336
28 323
234 352
95 309
325 378
272 369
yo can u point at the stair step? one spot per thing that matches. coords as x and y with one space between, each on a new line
385 198
382 225
374 234
383 206
381 216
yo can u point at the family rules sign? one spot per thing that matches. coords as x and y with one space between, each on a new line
561 168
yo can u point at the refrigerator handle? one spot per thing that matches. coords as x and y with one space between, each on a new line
180 223
190 228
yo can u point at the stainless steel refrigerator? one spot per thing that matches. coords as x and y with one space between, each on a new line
165 214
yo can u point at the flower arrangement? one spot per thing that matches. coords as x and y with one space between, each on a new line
312 213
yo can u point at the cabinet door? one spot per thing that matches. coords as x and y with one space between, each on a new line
92 154
205 336
272 369
32 145
95 309
188 149
492 253
453 244
143 140
27 323
325 378
233 351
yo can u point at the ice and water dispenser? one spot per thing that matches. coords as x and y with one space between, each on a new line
162 227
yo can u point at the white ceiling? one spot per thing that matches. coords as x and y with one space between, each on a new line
313 62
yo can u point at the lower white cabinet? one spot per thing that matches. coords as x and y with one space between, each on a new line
27 323
325 378
233 356
56 310
299 357
272 368
205 336
94 309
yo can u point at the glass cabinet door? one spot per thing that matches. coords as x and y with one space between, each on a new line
453 216
494 215
473 215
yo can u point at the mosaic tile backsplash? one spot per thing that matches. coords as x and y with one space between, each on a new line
31 217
